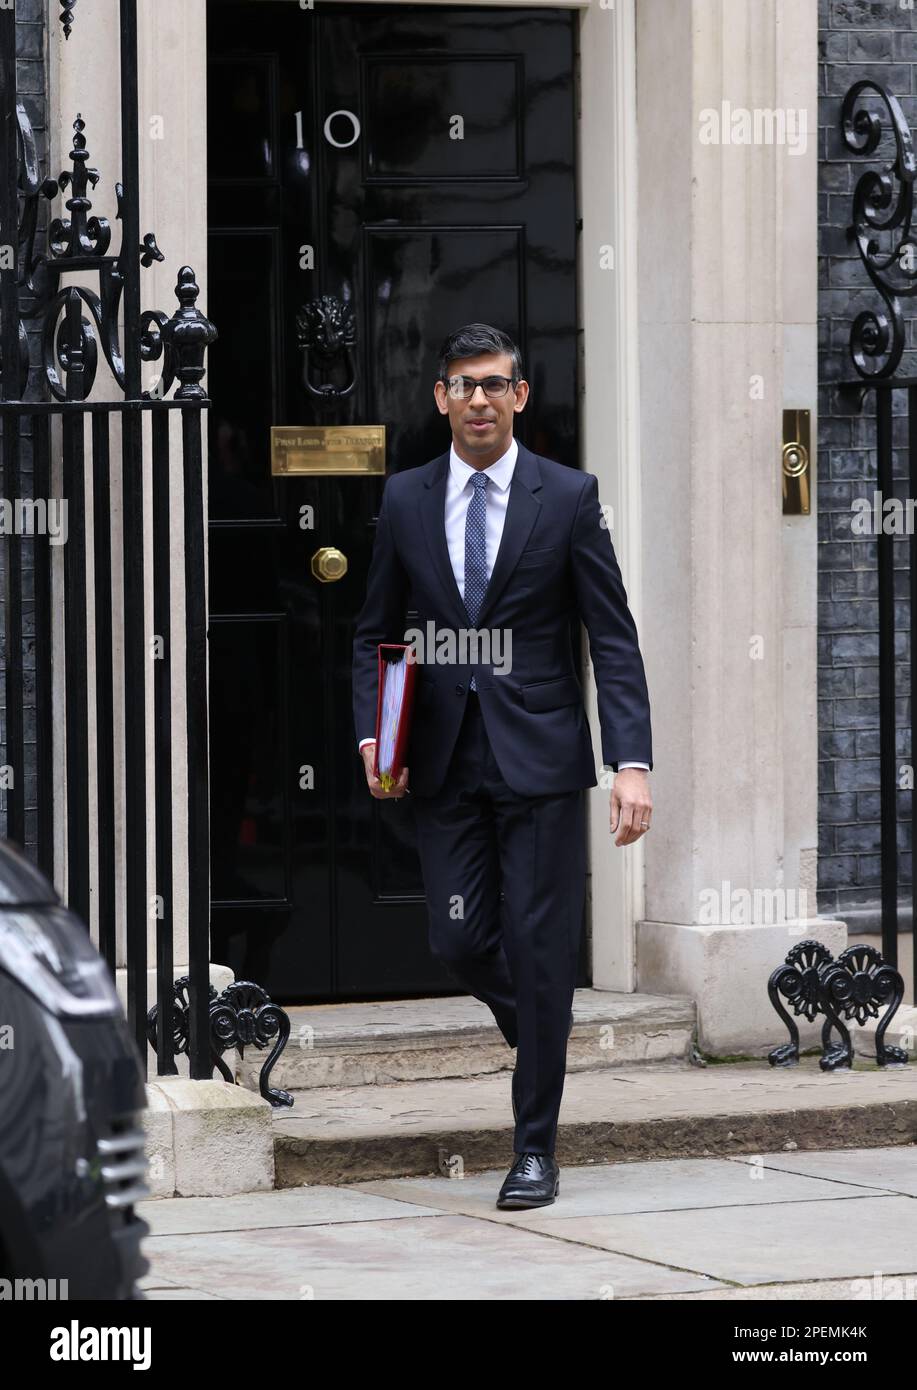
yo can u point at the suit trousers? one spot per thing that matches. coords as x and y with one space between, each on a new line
505 881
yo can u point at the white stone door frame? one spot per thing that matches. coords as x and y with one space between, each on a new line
728 316
173 53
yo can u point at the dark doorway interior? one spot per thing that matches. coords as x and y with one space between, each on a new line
316 888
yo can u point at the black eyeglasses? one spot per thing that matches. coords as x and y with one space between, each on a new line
464 387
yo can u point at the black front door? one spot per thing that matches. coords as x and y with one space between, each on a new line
415 165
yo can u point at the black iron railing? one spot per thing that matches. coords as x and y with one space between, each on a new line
881 226
78 325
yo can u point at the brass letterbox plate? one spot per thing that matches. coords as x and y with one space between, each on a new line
339 449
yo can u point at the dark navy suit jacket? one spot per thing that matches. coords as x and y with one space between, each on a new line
555 565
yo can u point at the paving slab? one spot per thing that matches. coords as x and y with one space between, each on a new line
895 1289
891 1169
453 1258
302 1206
611 1189
698 1229
156 1281
840 1238
177 1294
654 1110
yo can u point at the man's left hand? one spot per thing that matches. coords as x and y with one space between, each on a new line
630 806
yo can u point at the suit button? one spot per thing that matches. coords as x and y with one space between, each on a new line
459 689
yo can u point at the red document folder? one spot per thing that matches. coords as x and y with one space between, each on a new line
393 714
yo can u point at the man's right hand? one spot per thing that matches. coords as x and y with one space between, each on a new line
368 752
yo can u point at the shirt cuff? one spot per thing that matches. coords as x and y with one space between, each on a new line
645 766
364 741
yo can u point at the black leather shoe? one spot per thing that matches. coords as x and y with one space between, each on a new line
533 1181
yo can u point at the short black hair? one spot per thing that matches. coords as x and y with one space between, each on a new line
473 340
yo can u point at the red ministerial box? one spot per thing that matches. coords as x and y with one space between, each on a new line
403 727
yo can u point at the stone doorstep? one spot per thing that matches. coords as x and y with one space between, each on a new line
206 1139
651 1111
394 1041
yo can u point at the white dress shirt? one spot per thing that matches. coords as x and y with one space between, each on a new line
459 491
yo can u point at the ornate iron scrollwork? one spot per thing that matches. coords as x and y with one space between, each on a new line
71 338
881 214
242 1016
853 986
327 332
797 979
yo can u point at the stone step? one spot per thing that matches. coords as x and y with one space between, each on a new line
372 1044
641 1111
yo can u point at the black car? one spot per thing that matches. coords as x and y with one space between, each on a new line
72 1160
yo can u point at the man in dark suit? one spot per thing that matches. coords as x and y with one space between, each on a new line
500 550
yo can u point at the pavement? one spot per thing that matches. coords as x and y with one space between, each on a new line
837 1224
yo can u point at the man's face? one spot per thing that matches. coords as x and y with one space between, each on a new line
481 426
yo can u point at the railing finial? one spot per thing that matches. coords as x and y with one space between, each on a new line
187 335
66 16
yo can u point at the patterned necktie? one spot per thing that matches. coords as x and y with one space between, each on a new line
476 551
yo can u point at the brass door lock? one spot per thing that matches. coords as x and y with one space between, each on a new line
329 564
795 463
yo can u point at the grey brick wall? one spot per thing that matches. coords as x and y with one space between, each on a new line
31 84
857 39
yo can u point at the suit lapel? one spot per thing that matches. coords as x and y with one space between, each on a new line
433 517
522 508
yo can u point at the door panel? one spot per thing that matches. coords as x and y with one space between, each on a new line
426 156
